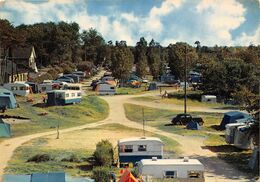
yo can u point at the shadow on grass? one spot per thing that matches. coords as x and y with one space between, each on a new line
85 167
222 148
216 127
41 105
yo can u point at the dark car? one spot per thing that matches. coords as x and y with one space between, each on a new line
183 119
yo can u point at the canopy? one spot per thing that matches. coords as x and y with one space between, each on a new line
5 129
192 125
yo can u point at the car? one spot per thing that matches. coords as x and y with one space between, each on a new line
183 119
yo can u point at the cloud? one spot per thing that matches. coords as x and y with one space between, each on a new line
209 21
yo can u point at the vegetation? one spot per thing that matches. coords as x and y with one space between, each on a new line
104 153
91 109
101 174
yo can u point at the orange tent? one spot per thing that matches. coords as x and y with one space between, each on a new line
127 177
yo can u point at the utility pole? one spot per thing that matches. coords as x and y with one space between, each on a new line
143 122
185 81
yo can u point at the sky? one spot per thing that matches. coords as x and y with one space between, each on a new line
212 22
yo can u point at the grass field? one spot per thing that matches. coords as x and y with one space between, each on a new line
91 109
161 119
177 101
70 153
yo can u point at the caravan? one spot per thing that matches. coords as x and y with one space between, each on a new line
182 169
63 97
18 88
132 150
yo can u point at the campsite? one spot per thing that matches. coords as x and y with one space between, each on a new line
129 91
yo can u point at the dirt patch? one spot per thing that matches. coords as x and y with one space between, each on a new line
16 121
87 138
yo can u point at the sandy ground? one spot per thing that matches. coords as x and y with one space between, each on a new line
216 169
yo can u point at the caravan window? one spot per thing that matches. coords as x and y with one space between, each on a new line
79 94
170 174
112 88
129 148
14 88
73 95
23 88
142 148
67 95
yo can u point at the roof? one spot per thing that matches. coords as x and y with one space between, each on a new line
234 113
170 162
2 90
22 52
209 96
136 139
17 178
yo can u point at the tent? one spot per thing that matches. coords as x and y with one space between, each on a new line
152 86
5 129
127 177
50 177
193 125
17 178
7 99
232 117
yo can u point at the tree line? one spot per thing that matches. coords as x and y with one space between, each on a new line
226 71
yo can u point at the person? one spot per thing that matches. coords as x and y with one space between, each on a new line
43 98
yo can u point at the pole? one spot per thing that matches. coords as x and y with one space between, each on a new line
185 82
143 122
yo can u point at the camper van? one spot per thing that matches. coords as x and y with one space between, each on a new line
18 88
105 89
63 97
186 169
132 150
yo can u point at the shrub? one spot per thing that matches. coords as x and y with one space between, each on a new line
45 76
40 158
53 73
85 66
104 153
101 174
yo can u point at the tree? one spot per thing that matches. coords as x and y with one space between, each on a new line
154 58
122 61
92 41
177 58
101 174
141 58
104 153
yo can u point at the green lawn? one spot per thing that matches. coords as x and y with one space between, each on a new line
178 101
161 118
72 161
91 109
130 91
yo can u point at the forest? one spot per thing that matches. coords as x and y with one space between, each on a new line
228 72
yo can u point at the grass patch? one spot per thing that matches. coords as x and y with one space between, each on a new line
180 101
161 118
73 161
91 109
131 91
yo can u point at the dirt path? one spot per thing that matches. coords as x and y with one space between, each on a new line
216 170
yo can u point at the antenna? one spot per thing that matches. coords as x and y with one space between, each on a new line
143 122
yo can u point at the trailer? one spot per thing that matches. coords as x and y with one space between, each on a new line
18 88
132 150
182 169
72 86
105 89
63 97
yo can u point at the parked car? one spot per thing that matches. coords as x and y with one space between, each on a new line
183 119
65 79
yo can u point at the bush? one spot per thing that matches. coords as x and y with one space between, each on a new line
101 174
194 95
85 66
40 79
104 153
40 158
53 73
